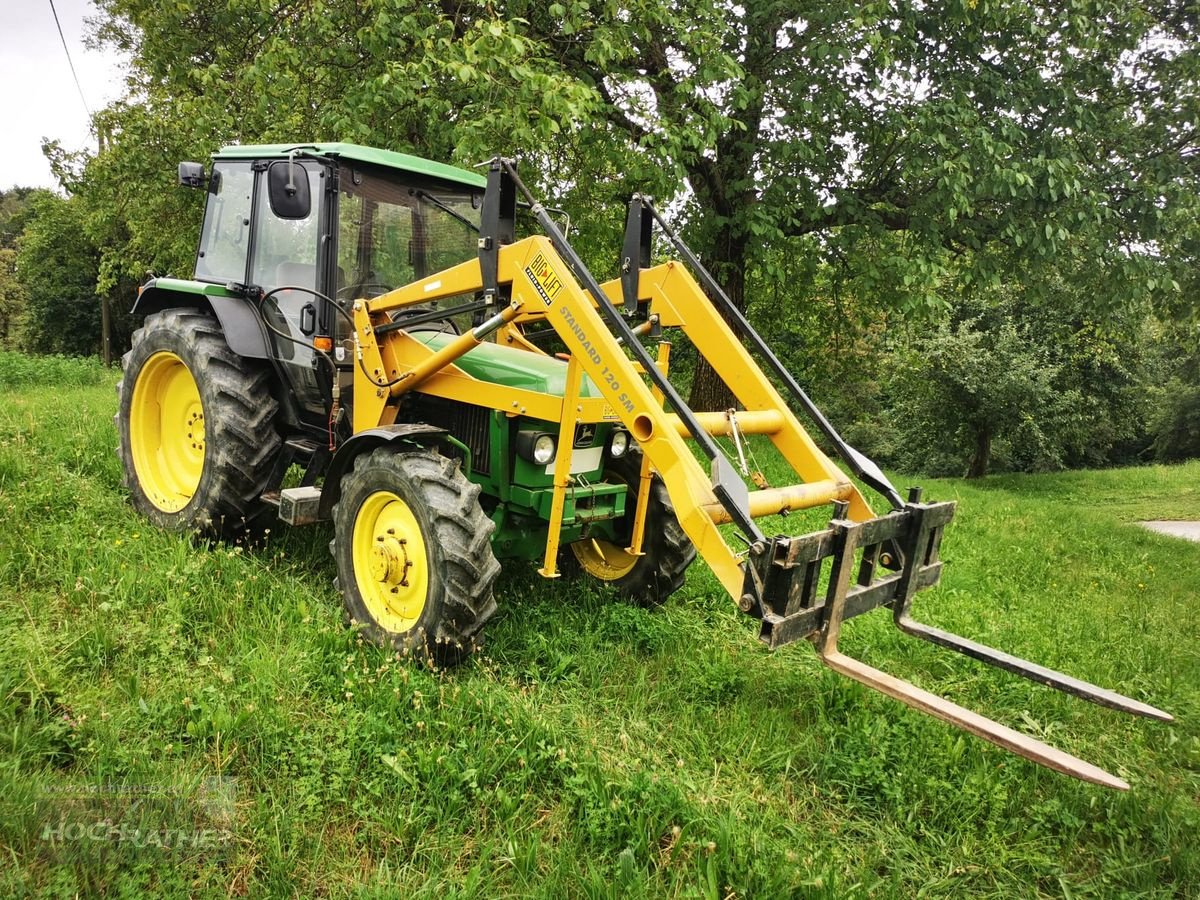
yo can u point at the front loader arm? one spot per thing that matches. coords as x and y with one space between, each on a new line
541 281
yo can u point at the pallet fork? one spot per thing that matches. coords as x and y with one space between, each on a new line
863 561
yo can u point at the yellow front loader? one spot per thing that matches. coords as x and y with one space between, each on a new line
798 587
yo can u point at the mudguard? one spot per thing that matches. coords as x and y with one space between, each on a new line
414 433
238 318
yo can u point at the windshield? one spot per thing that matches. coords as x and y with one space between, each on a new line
391 233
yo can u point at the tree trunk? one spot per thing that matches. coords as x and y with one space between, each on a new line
983 451
105 332
728 266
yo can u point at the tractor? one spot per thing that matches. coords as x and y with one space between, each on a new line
366 339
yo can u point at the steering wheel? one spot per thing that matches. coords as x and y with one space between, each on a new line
361 289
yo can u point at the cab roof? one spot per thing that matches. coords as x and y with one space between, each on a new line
373 155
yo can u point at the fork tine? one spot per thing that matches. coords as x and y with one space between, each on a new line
1026 669
1000 735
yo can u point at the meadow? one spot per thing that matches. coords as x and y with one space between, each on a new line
592 748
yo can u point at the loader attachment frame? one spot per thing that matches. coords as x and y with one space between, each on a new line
798 587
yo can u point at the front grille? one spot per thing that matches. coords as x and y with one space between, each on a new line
469 424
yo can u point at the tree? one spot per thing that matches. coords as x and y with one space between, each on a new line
57 269
1040 381
12 298
899 142
1175 419
958 125
14 211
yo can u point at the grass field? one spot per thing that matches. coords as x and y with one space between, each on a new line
592 749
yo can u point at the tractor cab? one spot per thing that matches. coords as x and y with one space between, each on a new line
301 233
319 223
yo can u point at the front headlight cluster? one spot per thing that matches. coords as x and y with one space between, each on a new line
540 447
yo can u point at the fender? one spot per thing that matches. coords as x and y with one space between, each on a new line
237 316
416 433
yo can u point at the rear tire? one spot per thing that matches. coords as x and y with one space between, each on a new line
196 424
649 579
414 554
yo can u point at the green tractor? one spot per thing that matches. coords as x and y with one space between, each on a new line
233 377
367 340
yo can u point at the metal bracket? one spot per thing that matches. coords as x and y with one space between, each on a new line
635 254
497 225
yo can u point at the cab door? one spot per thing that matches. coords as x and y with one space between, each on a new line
287 260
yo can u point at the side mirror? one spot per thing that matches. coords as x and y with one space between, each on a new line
287 190
191 174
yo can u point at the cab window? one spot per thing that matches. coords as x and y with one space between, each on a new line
225 239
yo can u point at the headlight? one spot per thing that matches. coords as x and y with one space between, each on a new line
619 444
543 449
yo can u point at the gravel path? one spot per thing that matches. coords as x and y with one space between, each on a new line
1188 530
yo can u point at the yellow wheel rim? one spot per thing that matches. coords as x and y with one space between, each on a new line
603 560
166 432
391 565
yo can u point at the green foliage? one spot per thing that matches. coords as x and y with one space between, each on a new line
1176 419
48 283
12 297
959 127
1177 423
58 273
23 370
593 749
968 384
14 210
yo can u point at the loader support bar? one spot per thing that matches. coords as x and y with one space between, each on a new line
862 466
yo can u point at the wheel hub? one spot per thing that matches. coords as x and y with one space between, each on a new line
389 560
194 426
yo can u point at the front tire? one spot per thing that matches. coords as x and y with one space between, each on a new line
649 579
196 424
414 554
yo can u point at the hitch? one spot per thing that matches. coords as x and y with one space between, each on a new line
782 587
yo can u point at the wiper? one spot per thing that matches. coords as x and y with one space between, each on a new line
449 210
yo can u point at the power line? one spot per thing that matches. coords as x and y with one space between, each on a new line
67 51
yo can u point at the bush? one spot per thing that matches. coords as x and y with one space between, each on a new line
1176 423
20 370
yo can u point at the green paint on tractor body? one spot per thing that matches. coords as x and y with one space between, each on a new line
511 367
522 489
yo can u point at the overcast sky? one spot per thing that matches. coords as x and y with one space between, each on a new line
38 97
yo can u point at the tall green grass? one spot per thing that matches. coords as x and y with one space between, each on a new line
592 749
